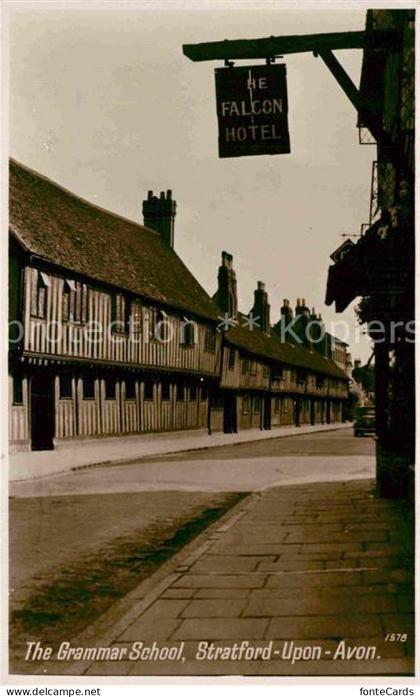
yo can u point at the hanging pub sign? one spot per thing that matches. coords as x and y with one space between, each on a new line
252 110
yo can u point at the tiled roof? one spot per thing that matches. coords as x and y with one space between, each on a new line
63 229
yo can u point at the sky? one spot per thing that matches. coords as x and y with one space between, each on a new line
104 102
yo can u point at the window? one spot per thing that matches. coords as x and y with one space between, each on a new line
210 340
158 324
320 381
162 326
67 312
80 302
257 405
216 401
130 388
109 388
148 390
204 394
65 387
180 392
193 393
17 389
188 333
40 283
245 366
278 373
119 320
277 405
232 355
266 371
88 388
253 365
300 377
166 391
245 406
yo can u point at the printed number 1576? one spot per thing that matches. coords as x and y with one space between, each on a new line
396 637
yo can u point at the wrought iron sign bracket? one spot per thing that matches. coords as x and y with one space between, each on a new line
320 45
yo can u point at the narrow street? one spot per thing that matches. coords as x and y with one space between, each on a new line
133 517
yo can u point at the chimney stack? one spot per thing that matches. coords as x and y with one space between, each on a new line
159 214
226 296
286 312
261 307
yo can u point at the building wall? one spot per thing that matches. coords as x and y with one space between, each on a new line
60 345
79 417
52 336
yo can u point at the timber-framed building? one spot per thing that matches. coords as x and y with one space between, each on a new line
111 334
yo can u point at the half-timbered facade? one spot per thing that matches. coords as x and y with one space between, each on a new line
266 378
110 334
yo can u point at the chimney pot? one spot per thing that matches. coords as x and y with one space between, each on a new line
159 215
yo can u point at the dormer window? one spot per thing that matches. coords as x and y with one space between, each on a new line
119 319
69 291
40 283
136 318
74 302
188 333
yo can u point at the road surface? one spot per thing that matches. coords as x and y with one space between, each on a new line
326 456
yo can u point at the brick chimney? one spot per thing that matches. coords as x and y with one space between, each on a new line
261 307
226 295
316 332
159 214
301 308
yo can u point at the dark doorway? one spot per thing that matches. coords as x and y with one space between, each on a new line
42 411
267 413
313 412
328 415
229 414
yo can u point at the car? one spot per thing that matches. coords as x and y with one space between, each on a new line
364 422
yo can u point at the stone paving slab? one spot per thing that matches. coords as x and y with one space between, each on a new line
325 592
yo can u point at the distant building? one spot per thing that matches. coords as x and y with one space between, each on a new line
110 333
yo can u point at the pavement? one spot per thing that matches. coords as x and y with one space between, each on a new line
33 464
315 577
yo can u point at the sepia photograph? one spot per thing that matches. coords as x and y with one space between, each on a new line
209 232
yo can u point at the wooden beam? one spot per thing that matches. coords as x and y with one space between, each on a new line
345 82
371 117
271 46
